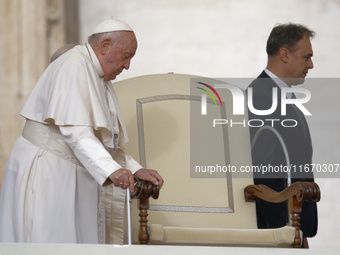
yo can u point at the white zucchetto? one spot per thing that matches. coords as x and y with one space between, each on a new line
111 25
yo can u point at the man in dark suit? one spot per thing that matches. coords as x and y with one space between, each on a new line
289 59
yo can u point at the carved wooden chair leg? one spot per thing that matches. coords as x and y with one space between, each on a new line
143 206
295 210
143 191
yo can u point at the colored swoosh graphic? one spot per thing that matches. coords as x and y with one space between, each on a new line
208 94
212 89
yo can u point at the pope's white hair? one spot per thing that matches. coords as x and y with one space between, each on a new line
115 37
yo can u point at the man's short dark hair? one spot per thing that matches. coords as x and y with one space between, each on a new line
286 35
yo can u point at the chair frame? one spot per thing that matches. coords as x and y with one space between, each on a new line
296 193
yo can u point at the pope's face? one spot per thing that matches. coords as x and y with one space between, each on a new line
300 60
118 57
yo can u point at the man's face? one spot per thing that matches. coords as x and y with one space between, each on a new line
118 57
300 61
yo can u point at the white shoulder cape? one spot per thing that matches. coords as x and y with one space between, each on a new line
72 92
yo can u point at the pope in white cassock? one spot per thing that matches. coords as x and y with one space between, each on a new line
71 149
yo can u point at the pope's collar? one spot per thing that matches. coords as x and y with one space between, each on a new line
95 60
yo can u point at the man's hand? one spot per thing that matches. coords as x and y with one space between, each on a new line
123 178
149 175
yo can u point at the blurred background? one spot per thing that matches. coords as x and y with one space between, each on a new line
211 38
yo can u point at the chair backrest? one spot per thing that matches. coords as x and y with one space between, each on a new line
166 131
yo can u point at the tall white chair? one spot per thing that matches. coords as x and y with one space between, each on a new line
196 206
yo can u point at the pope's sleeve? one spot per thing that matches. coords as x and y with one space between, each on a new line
132 164
90 152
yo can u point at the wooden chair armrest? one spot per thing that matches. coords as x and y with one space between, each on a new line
296 193
143 191
303 191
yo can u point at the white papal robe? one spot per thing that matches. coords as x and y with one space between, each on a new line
72 142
